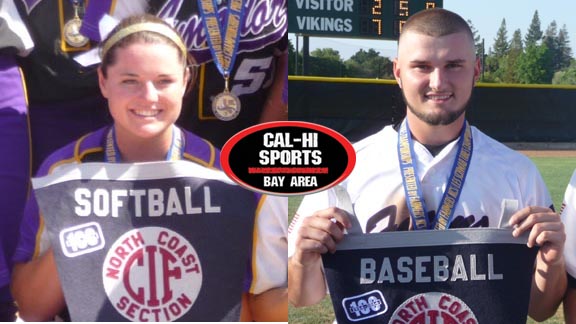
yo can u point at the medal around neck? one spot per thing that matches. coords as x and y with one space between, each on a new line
223 37
72 33
226 106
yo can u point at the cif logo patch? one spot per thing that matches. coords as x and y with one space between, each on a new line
433 307
152 274
81 239
367 305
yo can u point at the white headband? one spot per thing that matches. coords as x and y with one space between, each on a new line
157 28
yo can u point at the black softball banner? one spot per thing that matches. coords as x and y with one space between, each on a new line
464 276
288 158
144 242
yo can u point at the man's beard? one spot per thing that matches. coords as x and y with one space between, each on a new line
437 119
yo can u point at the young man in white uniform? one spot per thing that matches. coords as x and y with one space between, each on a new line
568 214
436 69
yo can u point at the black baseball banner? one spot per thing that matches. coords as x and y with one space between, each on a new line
464 276
165 241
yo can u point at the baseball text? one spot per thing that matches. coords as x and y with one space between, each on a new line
424 269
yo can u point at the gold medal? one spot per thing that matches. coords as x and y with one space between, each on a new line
226 106
223 41
72 34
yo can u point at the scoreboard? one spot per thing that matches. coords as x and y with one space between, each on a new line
376 19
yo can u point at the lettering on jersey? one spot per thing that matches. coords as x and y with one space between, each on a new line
426 269
288 157
151 202
433 307
152 274
81 239
364 306
265 18
391 218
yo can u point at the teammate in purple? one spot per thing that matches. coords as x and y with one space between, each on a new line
15 143
436 69
144 75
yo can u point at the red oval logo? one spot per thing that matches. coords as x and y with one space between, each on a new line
288 158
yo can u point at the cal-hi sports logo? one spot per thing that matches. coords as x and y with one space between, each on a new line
433 307
152 274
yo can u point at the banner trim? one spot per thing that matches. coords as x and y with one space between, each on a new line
430 238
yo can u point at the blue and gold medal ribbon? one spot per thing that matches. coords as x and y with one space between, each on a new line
222 38
112 153
413 188
176 148
456 179
175 153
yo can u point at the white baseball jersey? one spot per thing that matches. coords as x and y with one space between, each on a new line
377 194
568 214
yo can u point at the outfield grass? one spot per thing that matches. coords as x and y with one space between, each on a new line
556 173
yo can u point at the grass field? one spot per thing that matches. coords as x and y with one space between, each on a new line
556 172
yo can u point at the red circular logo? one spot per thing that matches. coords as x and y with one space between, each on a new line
433 307
152 274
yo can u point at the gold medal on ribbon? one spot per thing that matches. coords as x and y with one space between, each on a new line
223 41
413 188
72 34
226 106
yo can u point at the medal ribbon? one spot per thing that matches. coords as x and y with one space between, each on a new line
413 187
77 7
112 153
223 45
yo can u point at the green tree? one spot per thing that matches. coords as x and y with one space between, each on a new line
490 68
369 64
566 76
534 34
507 68
564 50
516 42
535 66
477 40
501 45
363 56
550 39
292 58
327 53
326 62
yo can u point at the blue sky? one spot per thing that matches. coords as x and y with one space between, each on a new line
486 16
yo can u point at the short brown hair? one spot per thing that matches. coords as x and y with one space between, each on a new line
436 22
